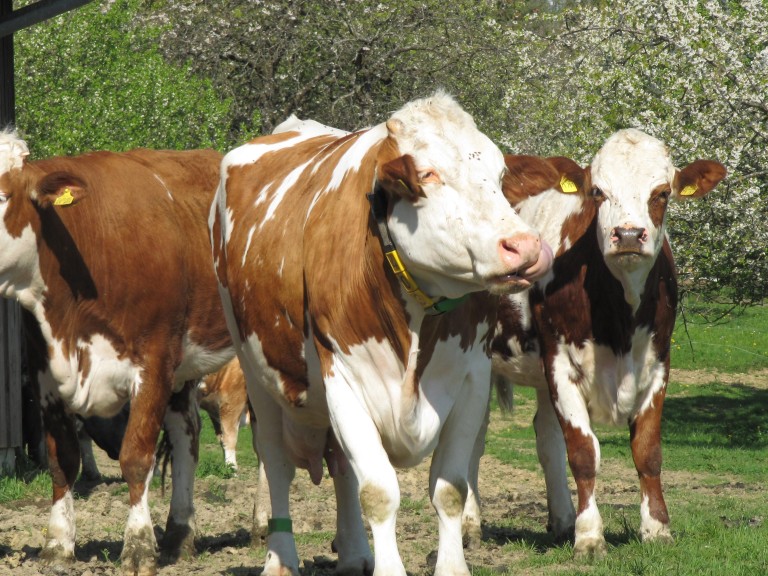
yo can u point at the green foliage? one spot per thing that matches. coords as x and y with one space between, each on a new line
28 482
93 79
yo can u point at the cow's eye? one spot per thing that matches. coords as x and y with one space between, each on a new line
664 195
596 193
429 176
4 197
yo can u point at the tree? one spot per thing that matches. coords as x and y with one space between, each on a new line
93 79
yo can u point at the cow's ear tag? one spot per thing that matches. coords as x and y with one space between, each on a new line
65 198
689 190
568 186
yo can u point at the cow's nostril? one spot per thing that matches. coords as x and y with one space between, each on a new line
627 236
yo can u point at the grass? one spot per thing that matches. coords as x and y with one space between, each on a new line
717 337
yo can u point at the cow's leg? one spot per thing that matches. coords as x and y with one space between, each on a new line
262 509
282 558
230 414
90 468
472 533
550 447
449 475
584 460
182 424
64 464
351 542
137 460
645 435
379 491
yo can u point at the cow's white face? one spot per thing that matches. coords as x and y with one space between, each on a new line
632 178
460 234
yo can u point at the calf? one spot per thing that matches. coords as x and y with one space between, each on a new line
363 324
110 253
593 335
223 396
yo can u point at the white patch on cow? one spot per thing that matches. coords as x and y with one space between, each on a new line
589 527
547 212
13 151
61 525
650 528
162 183
308 127
248 245
284 186
139 524
109 384
20 276
353 157
197 361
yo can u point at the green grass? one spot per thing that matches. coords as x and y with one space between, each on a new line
716 337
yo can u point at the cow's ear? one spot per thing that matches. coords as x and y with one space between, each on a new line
526 176
697 179
571 178
400 178
60 189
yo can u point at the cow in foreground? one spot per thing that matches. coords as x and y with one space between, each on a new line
363 324
111 254
600 322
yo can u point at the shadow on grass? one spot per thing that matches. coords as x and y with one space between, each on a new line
717 415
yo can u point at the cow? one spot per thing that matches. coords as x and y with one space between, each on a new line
224 397
110 253
593 335
360 276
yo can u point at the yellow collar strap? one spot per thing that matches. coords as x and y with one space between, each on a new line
432 306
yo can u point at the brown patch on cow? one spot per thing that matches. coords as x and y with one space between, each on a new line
509 316
582 461
701 175
645 439
657 204
451 497
375 503
527 176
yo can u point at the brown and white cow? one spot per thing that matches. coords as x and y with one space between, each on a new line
224 397
111 254
600 322
334 302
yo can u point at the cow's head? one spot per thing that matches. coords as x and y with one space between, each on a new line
631 181
455 231
25 191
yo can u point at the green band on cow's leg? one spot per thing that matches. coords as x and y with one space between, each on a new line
279 525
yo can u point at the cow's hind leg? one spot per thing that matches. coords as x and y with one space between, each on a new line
550 447
351 540
182 424
645 434
472 532
137 460
64 463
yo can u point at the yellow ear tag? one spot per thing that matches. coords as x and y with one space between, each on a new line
65 198
688 190
568 186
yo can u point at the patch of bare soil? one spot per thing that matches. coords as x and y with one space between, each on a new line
513 502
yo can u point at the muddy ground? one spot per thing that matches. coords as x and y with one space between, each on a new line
511 498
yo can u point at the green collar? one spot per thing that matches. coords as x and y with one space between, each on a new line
432 306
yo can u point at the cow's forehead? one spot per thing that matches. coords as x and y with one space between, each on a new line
632 159
13 150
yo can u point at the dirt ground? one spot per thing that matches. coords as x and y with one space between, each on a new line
224 510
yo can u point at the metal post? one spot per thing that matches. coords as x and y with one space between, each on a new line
10 331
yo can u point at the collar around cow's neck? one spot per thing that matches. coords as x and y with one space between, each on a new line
432 306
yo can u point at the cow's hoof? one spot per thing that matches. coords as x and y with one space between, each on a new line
274 567
178 543
663 536
590 549
562 533
139 556
56 555
472 537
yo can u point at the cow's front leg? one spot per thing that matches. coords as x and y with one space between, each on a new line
645 435
182 424
550 447
449 476
584 460
137 461
64 463
379 491
282 558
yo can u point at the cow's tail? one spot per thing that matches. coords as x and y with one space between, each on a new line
504 392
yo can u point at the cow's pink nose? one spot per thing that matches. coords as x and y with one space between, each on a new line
519 252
